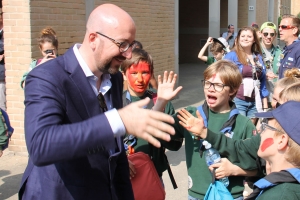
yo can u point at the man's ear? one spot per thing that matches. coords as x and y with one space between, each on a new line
92 40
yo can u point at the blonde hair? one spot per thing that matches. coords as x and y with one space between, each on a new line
228 72
291 93
286 81
292 155
48 35
294 72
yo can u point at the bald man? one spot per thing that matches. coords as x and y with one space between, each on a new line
73 118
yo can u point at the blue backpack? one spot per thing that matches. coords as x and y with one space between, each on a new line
9 129
217 191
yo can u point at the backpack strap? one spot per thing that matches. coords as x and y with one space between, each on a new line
9 129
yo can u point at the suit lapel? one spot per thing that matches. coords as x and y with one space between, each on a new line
83 96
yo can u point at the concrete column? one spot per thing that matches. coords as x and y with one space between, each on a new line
251 13
233 13
214 18
271 11
176 38
89 7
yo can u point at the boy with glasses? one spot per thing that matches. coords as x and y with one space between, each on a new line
221 82
289 31
271 55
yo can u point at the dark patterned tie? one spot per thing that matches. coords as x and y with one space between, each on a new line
102 102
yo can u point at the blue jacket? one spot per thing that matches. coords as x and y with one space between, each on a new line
263 90
291 57
69 138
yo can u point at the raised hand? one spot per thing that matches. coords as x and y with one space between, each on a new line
146 124
191 123
166 86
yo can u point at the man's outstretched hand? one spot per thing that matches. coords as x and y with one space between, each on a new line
146 124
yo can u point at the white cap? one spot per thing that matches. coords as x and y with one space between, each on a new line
222 41
206 144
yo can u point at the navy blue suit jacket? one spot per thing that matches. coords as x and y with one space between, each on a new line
69 138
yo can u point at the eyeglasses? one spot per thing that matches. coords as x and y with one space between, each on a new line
270 24
102 102
284 27
217 86
277 104
264 126
123 46
271 34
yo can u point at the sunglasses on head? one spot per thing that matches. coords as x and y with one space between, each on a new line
283 27
271 34
270 24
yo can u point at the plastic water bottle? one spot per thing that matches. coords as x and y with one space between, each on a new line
212 156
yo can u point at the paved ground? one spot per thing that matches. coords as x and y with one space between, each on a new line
12 166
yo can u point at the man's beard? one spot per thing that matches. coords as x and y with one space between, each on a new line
108 69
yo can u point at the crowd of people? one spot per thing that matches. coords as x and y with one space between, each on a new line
87 110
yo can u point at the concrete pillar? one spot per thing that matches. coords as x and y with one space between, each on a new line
251 11
176 37
214 18
233 13
271 11
89 7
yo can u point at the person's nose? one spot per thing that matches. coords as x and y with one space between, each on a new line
139 77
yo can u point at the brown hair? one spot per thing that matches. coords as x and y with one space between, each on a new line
292 155
228 72
138 55
239 49
216 47
295 21
48 35
294 72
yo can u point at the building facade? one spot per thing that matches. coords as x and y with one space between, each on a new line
172 31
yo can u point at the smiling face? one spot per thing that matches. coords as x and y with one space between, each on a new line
268 40
217 101
246 39
138 77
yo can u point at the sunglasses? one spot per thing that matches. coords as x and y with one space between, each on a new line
271 34
284 27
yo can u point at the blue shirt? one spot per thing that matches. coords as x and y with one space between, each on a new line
290 57
263 89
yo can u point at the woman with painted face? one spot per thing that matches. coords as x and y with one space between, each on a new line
271 55
137 72
252 94
48 46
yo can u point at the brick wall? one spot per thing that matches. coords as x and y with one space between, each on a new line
262 11
155 29
23 20
295 7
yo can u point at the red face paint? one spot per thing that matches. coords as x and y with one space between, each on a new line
138 77
266 144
